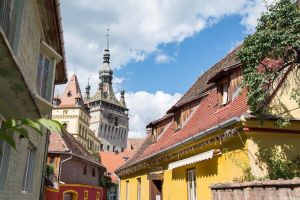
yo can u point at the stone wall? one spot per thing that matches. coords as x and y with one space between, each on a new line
258 190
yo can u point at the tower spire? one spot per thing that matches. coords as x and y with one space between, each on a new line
107 38
87 89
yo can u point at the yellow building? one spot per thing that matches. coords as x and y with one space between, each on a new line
209 136
72 113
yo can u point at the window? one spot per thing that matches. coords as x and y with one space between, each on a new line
4 162
114 148
93 171
127 190
139 189
29 169
107 147
70 195
11 12
177 120
224 93
84 169
191 176
116 121
86 195
4 159
98 196
43 72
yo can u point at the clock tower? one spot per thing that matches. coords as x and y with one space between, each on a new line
109 116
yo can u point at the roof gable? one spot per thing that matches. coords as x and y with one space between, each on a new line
71 93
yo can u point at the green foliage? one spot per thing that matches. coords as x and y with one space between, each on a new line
106 181
277 38
49 170
277 164
23 126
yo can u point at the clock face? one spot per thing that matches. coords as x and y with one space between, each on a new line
110 118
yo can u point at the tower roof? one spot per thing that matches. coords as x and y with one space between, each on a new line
72 94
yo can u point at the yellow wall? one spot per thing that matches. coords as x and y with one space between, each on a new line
282 101
132 188
218 169
288 143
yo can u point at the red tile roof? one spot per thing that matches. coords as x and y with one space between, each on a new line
71 92
66 143
207 113
113 161
202 85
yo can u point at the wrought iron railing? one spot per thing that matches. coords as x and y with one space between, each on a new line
8 18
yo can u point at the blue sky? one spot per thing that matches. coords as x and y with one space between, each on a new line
190 58
158 47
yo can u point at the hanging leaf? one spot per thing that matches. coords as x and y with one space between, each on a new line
7 137
32 124
10 123
22 131
52 125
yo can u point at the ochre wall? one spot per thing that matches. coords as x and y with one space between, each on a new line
132 188
283 96
288 142
218 169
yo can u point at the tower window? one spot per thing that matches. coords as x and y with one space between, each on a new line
116 121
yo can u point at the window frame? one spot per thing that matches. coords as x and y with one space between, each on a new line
43 76
127 190
28 177
139 188
193 182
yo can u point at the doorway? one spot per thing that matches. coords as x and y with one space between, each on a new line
156 189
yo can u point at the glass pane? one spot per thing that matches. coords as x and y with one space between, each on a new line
45 77
39 74
25 176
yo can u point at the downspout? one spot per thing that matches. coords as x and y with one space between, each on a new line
61 162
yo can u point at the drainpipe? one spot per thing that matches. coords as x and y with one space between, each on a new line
61 162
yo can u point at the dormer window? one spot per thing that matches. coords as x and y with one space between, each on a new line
224 90
224 93
177 121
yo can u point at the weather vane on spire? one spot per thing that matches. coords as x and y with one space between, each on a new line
107 37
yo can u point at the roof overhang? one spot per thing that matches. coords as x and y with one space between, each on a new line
16 99
176 107
224 72
52 23
187 141
193 159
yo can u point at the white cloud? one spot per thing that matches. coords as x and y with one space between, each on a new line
138 27
146 107
163 59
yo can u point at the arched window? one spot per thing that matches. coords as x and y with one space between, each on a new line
70 195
